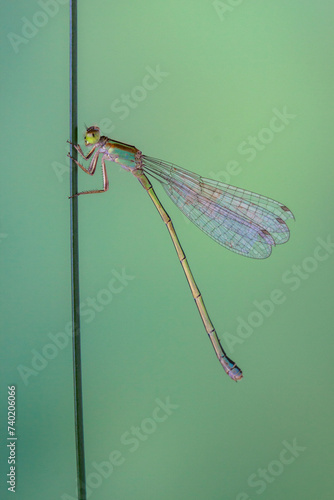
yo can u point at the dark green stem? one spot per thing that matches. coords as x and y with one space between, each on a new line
77 378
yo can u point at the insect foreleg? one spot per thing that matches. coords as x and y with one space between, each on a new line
91 172
78 148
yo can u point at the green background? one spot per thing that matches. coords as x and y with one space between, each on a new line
227 66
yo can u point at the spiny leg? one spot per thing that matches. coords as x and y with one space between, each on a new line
92 165
104 173
229 366
78 148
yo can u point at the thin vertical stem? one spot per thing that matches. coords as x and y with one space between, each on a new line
77 377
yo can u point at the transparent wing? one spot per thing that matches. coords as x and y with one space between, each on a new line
244 222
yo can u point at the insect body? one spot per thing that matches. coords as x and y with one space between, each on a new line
242 221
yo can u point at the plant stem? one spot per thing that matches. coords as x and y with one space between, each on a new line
77 377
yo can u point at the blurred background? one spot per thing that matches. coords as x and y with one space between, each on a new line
236 91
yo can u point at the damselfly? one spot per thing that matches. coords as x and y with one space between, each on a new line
242 221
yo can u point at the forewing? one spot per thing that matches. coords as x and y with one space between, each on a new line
242 221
